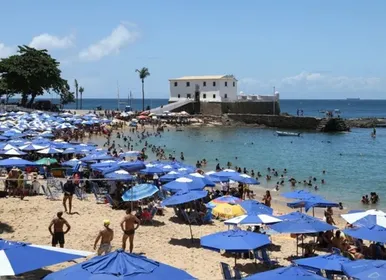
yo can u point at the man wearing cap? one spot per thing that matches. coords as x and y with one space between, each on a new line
106 235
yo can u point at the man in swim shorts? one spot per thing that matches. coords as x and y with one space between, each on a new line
106 235
58 233
128 228
69 190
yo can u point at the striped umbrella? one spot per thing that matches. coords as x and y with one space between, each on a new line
139 192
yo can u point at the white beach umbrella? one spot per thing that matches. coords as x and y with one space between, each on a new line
252 219
14 152
378 215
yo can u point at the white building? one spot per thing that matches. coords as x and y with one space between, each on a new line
220 88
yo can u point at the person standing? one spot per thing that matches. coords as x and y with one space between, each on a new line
58 232
106 235
69 190
128 228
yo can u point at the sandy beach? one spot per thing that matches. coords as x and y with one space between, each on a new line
166 241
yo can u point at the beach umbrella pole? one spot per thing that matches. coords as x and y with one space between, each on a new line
191 232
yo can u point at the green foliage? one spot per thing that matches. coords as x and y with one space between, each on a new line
30 73
143 74
81 90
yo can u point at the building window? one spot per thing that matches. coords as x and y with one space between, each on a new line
204 96
214 96
188 95
188 84
204 84
225 95
179 95
226 84
214 84
175 84
234 84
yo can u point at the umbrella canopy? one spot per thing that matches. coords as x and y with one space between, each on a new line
227 199
354 217
46 161
171 176
313 201
234 241
72 162
365 269
120 175
301 225
132 166
372 233
31 147
226 173
184 183
371 220
300 194
18 257
205 179
139 192
183 197
50 150
13 152
286 273
227 211
244 178
16 161
152 169
96 157
252 206
253 219
331 262
120 265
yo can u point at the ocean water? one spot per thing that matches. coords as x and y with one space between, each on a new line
354 162
349 108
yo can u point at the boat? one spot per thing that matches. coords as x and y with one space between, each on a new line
286 133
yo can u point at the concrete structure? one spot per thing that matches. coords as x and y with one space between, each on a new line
220 88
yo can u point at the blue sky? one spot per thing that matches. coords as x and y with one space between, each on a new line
307 49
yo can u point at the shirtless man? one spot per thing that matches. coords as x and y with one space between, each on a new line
106 235
69 190
127 226
58 233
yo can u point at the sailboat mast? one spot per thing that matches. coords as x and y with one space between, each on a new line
118 94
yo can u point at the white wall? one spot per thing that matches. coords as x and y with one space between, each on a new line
212 93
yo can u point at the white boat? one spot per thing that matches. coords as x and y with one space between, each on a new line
285 133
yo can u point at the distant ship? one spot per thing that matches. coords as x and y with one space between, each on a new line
351 99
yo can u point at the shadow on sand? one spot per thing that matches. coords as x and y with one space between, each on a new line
5 228
154 224
186 242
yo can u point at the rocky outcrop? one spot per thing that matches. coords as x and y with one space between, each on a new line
366 122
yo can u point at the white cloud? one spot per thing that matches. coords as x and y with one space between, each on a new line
47 41
6 51
119 38
313 82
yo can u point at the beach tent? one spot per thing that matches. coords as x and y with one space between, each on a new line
120 265
19 257
185 184
291 272
253 206
16 161
365 269
234 241
139 192
330 262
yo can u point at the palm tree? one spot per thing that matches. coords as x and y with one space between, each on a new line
81 90
143 74
76 92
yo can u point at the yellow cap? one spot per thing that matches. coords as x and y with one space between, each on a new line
106 222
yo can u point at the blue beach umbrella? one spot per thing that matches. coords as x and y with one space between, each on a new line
16 161
97 157
18 257
291 272
300 194
171 176
72 162
227 173
227 199
330 262
375 215
31 147
120 175
205 179
184 183
13 152
234 241
313 201
50 150
244 178
132 166
253 219
373 233
151 170
139 192
252 206
120 265
365 269
183 197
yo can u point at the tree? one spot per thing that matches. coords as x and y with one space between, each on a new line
143 74
81 90
30 73
4 90
76 93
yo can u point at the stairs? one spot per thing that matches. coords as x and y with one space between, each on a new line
322 125
170 107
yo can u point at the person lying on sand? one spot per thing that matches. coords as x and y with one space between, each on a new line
128 228
106 235
58 233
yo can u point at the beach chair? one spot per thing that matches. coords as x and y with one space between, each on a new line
262 255
113 204
80 194
190 219
99 199
51 194
226 271
152 214
208 217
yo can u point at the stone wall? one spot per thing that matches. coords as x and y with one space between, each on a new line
290 122
250 108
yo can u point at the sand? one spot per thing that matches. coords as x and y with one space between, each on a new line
166 241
